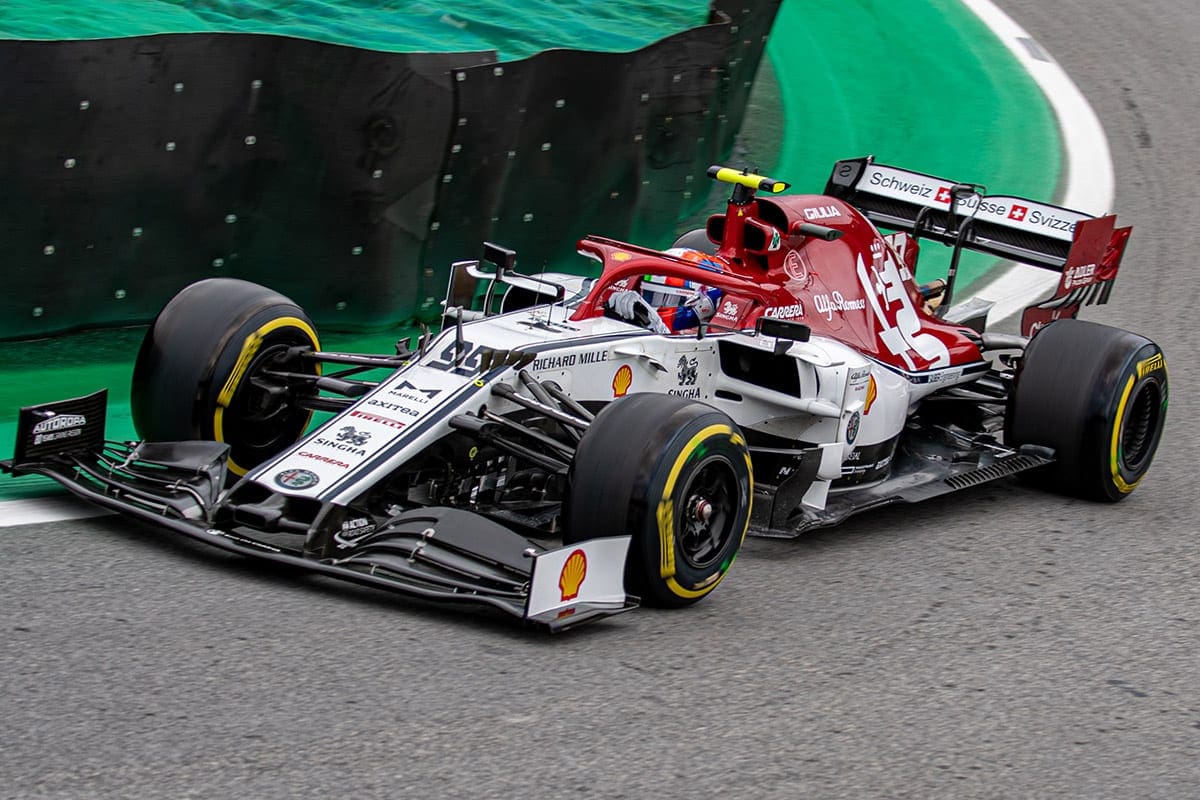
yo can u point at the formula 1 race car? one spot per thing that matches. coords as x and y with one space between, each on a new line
566 446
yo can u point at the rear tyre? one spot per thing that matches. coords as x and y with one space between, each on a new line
696 240
200 373
1098 396
676 475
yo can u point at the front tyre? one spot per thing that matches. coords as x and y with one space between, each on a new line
1098 396
212 367
676 475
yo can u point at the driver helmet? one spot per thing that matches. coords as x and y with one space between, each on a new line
683 304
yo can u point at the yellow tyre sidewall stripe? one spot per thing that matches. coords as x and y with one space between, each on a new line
1144 367
666 512
1114 449
250 347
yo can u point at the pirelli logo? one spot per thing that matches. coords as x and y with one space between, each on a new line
1144 368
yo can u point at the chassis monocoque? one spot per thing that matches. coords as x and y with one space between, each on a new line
547 455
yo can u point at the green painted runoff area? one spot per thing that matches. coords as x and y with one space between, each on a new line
922 85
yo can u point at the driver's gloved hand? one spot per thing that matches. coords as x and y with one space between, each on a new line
702 304
629 305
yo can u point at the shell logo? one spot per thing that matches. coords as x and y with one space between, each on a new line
573 572
622 381
872 393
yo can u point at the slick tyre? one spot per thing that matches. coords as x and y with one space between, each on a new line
200 373
696 240
676 475
1097 395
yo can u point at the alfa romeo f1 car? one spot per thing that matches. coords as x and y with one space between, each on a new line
566 447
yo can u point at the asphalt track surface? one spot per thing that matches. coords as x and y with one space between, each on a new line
1007 643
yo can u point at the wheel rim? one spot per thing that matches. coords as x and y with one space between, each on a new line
1140 427
710 508
262 415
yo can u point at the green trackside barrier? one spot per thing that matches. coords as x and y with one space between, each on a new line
923 85
514 29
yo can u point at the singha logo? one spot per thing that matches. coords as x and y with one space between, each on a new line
351 435
687 371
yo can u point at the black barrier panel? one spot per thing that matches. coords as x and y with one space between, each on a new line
680 188
750 28
683 92
567 143
150 162
542 151
347 179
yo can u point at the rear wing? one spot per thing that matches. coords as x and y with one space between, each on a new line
1084 249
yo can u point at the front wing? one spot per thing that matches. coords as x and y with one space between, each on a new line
442 554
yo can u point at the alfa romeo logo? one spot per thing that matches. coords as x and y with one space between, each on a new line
852 428
297 479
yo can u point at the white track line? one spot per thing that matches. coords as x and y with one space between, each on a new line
41 510
1088 187
1089 182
